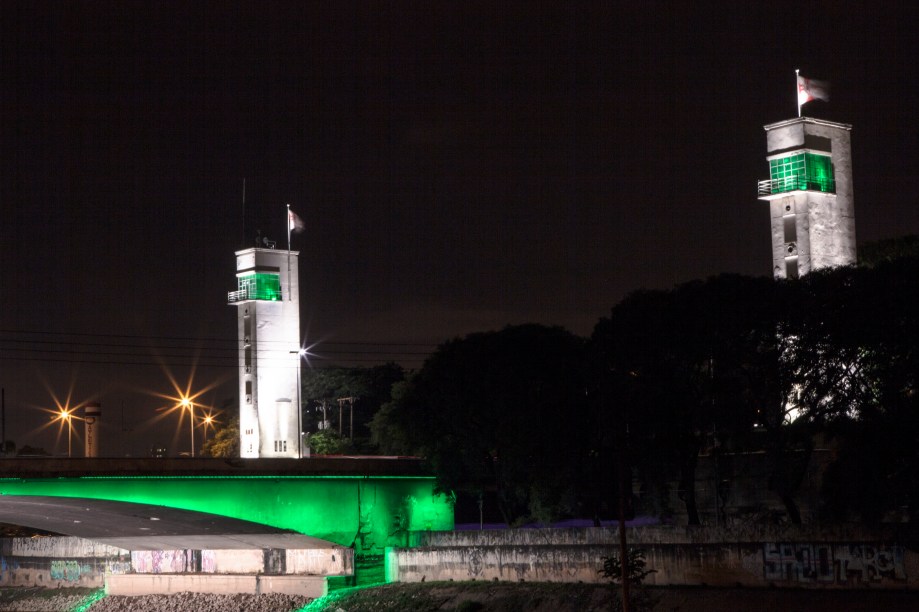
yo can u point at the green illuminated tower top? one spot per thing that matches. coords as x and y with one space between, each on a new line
810 195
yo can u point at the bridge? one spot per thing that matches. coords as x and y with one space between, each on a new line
363 504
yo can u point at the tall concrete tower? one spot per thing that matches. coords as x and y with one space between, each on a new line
811 203
268 322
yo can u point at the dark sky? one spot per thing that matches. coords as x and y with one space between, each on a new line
459 166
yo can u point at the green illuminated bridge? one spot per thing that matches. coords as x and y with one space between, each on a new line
364 503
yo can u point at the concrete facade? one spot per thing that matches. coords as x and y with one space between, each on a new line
268 327
811 228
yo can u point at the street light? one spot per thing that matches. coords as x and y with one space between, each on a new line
186 403
207 421
65 415
302 352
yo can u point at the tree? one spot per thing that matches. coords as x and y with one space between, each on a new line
858 367
673 371
892 249
225 442
326 442
501 411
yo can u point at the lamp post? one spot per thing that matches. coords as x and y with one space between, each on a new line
187 403
300 353
207 421
65 415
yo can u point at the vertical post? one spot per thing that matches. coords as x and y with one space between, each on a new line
623 544
798 90
299 411
191 421
481 513
289 295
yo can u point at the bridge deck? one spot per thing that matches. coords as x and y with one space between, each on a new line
41 467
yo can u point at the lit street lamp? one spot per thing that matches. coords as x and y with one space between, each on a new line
300 354
65 415
207 421
186 403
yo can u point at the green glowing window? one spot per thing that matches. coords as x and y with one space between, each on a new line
261 286
802 171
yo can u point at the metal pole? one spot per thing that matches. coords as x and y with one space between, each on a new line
299 413
191 422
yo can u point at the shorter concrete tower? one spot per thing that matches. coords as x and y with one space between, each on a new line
268 324
92 418
811 202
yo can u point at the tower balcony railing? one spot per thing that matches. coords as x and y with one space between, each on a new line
246 294
795 183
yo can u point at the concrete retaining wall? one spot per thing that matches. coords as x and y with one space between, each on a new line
56 562
59 562
165 584
759 557
319 561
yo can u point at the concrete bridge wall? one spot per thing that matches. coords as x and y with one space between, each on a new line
368 513
56 562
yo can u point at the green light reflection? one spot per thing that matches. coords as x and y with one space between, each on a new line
370 513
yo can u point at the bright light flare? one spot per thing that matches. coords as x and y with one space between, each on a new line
63 414
185 399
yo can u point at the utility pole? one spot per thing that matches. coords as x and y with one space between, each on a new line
341 402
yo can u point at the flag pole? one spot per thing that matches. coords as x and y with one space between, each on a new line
798 90
289 297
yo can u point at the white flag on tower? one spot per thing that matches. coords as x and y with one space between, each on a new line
294 223
812 89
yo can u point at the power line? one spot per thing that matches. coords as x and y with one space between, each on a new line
201 339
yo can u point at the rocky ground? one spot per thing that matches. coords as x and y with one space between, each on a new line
469 597
83 600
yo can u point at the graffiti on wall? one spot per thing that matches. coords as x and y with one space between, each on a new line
68 570
172 561
208 561
833 563
165 561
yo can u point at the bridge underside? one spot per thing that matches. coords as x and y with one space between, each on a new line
367 504
138 527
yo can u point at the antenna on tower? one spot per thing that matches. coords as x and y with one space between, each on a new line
244 214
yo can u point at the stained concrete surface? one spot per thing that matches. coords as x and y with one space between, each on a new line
133 526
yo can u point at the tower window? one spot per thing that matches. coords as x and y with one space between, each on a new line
802 171
790 228
791 267
260 286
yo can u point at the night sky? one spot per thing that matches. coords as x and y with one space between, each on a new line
459 166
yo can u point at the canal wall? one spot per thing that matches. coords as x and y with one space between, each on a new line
843 557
